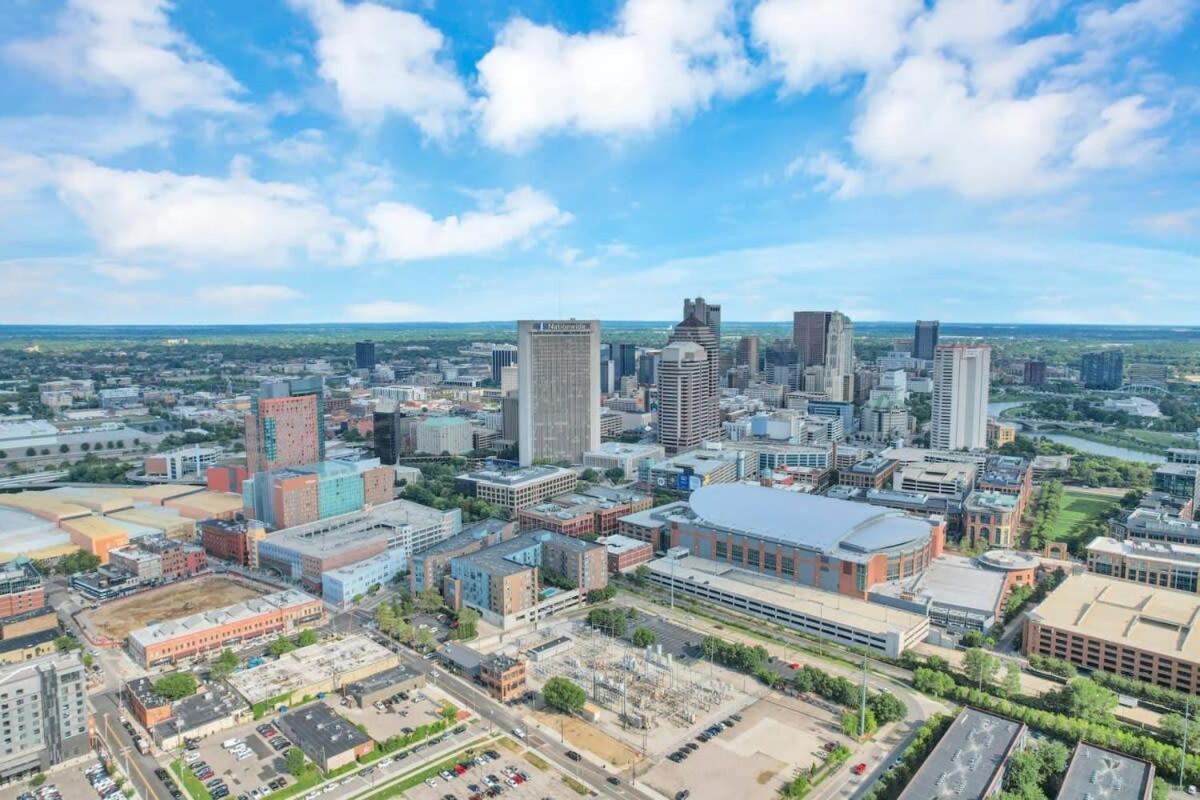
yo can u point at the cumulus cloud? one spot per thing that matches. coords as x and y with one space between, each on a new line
246 294
831 173
385 311
386 61
1119 139
125 273
129 46
408 233
663 59
812 42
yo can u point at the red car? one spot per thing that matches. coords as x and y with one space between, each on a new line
795 665
859 769
459 769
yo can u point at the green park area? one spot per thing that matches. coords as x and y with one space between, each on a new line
1078 511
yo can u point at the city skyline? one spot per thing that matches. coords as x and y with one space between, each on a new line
262 169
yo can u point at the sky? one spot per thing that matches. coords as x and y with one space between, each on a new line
223 161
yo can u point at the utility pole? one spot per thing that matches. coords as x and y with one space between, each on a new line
1183 750
862 709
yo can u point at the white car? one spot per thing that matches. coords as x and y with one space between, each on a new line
430 782
519 733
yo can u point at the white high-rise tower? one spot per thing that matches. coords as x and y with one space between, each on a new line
960 396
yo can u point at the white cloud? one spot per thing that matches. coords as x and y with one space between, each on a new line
1174 222
1135 18
662 60
125 273
814 42
408 233
245 294
385 311
306 147
129 46
193 218
833 175
1119 139
385 61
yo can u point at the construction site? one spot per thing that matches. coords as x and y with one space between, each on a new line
644 698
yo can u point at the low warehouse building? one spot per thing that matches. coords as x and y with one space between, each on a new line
325 737
970 760
383 685
309 671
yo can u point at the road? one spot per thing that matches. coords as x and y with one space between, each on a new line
137 767
501 717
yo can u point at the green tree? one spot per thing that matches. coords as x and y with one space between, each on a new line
643 636
223 666
307 637
1173 725
468 623
1083 698
280 646
614 475
931 681
589 475
429 601
980 666
852 724
176 686
66 642
641 575
564 695
887 708
1012 678
64 448
37 780
296 763
425 639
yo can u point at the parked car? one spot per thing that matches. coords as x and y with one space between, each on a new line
859 769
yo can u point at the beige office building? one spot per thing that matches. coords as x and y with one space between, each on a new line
685 412
960 396
558 377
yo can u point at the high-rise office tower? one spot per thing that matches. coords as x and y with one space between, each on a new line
364 354
1103 370
504 355
707 313
747 354
45 719
608 370
286 424
508 379
826 339
1035 373
684 408
707 410
648 363
627 361
558 373
925 339
960 396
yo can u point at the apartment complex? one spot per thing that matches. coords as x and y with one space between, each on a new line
1132 629
428 567
960 396
286 424
558 375
45 720
517 489
1103 370
176 640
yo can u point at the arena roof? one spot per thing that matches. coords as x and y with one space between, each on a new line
805 520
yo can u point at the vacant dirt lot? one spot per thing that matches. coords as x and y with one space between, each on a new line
590 738
118 618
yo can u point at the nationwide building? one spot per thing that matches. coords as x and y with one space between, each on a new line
176 640
1102 623
960 396
504 582
835 545
45 720
925 339
1103 370
517 489
625 457
970 760
559 389
826 615
825 339
286 424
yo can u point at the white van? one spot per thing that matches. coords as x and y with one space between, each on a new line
230 743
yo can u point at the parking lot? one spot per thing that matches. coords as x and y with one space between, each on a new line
530 782
264 764
682 644
69 782
421 708
755 757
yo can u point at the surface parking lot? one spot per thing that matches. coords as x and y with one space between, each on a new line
539 785
69 781
264 765
682 644
422 707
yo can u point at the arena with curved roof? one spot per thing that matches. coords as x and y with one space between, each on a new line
836 545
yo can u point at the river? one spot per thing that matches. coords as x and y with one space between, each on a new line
1084 445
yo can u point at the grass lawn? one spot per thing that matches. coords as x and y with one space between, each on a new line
193 786
1075 508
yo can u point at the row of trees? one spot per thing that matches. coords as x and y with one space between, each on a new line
283 644
1045 514
613 621
892 782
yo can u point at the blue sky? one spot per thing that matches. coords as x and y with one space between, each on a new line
321 160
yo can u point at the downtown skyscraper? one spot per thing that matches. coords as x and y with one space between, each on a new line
558 389
961 380
286 424
825 339
698 416
925 338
